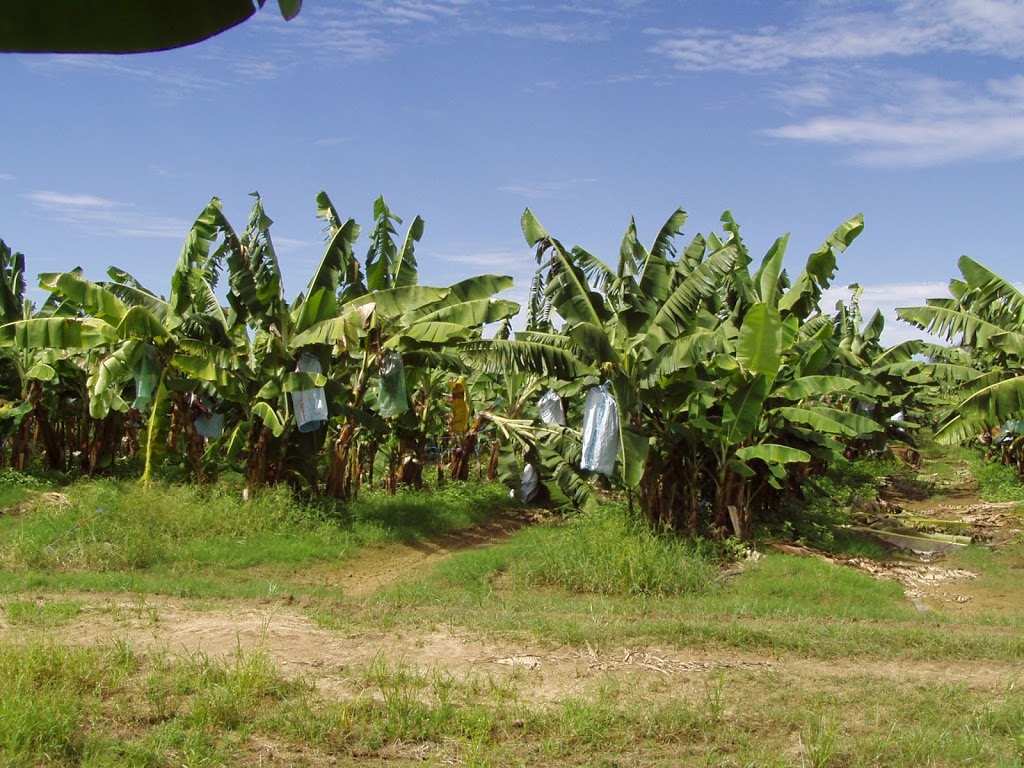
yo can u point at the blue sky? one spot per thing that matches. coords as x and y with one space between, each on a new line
794 115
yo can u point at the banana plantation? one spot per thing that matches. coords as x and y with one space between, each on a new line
697 381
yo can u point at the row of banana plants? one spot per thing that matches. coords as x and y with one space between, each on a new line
981 364
107 368
729 381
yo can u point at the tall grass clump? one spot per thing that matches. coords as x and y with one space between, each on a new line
110 525
48 696
605 550
996 481
17 486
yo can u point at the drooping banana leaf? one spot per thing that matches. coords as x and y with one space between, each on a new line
513 355
121 26
742 410
71 333
269 417
987 404
680 307
813 386
93 299
830 420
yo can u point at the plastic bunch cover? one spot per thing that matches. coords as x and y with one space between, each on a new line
551 410
600 431
147 375
310 405
392 399
208 423
460 405
530 484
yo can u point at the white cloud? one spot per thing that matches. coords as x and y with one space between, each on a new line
6 177
939 122
290 244
908 28
512 260
78 201
168 81
109 218
558 32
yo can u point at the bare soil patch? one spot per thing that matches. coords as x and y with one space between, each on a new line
375 567
337 661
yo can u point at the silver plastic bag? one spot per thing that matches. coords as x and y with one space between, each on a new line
600 431
551 410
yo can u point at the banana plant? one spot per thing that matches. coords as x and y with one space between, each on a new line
117 325
983 317
715 371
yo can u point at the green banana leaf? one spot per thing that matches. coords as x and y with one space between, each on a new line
772 453
759 347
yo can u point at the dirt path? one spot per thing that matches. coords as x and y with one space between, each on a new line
339 662
375 567
336 660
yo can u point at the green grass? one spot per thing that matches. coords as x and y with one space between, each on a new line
17 487
594 583
41 613
206 541
606 551
109 705
997 481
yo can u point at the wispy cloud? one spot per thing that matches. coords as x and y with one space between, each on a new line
841 32
100 216
291 244
860 76
937 122
369 30
169 81
6 177
544 189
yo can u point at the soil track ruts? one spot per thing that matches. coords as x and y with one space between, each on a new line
333 659
375 567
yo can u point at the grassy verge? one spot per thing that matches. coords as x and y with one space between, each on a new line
205 541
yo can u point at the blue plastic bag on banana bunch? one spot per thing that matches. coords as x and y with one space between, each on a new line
208 422
392 399
551 410
310 405
600 431
529 485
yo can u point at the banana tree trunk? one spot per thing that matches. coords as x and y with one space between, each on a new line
339 475
462 456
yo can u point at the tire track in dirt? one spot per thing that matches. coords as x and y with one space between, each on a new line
375 567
